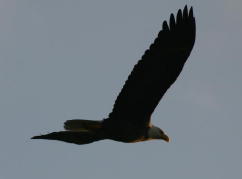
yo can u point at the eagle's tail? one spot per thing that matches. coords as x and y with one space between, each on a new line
82 125
76 137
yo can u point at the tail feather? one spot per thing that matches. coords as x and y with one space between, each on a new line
82 125
71 137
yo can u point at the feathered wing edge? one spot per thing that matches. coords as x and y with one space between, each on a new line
157 70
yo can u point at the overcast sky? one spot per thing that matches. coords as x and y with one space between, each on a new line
61 60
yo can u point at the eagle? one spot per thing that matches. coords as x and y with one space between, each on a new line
155 72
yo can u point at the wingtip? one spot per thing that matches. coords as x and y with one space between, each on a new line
191 12
179 16
185 11
172 21
185 8
165 26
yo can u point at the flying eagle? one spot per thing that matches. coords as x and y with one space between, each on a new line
157 70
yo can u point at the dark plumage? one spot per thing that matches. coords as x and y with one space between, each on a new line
157 70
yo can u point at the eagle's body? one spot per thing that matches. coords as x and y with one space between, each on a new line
157 70
125 132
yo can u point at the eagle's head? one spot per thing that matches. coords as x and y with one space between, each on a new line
156 133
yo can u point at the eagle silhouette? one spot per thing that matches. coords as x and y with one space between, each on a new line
158 69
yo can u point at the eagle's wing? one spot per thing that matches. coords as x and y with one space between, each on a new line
157 70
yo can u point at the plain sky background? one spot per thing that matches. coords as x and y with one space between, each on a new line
62 59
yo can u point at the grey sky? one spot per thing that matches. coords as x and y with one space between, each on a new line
69 59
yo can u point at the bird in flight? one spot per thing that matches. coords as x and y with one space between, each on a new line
155 72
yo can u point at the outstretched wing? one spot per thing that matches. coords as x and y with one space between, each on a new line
157 70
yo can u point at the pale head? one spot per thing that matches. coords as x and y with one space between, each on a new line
156 133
